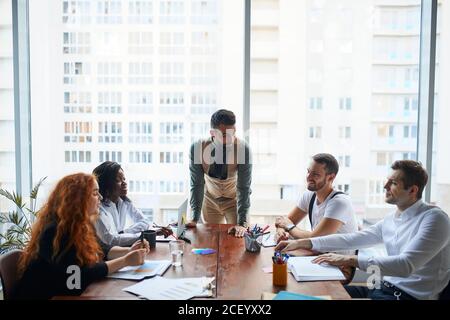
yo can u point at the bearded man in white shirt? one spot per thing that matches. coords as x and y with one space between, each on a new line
416 237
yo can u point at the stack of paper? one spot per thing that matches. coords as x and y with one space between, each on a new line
159 288
304 270
150 268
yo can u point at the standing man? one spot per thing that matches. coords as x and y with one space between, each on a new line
221 173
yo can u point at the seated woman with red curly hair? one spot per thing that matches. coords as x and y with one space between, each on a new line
63 244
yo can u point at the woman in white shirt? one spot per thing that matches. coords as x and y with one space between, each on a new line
120 222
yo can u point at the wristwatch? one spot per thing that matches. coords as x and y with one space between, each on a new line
289 227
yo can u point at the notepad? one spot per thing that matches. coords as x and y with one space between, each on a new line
269 240
303 269
150 268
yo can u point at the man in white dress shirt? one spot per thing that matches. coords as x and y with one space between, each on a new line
416 237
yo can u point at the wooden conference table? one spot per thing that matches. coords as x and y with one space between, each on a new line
238 273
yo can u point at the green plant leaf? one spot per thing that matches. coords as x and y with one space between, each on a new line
35 190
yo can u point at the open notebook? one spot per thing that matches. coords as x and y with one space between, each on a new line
150 268
304 270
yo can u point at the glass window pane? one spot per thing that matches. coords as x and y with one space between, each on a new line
370 85
440 178
7 144
111 85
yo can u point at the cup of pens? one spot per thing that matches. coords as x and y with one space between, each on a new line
253 238
279 272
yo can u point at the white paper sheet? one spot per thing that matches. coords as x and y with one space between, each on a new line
304 270
159 288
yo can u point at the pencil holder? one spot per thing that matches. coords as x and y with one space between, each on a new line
252 244
279 274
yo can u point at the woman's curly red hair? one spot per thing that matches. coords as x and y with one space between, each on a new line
67 205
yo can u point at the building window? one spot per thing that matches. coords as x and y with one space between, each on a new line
315 103
171 73
203 43
204 12
171 102
345 132
148 213
344 161
171 157
376 192
76 43
140 43
410 131
140 157
109 11
203 103
109 73
199 130
203 73
171 187
385 131
171 132
78 132
140 132
315 132
172 12
410 103
140 12
76 12
76 73
110 132
140 103
171 43
345 103
409 156
109 102
140 73
77 156
77 102
383 159
110 156
344 187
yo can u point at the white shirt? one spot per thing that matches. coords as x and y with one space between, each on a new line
339 208
114 219
417 243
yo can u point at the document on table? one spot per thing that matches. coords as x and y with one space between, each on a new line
150 268
269 240
162 239
159 288
303 269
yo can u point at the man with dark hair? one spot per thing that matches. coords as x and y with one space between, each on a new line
329 210
416 237
221 173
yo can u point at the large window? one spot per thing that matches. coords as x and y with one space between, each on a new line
136 82
440 179
7 151
129 81
342 81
